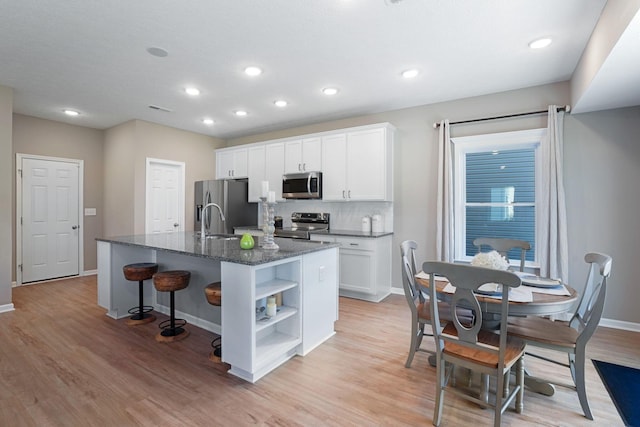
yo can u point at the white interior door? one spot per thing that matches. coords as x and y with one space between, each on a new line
165 202
50 219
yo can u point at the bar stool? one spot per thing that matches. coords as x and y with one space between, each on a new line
213 292
171 281
140 272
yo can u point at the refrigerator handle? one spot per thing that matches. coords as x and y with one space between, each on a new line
198 212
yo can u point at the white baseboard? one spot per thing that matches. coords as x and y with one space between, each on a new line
6 308
14 284
607 323
619 324
90 272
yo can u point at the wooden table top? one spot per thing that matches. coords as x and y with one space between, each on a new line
542 304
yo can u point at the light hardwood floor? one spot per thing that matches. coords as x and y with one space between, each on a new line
63 362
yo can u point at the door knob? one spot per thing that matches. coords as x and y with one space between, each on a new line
75 227
176 224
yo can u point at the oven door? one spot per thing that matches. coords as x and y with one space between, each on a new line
302 186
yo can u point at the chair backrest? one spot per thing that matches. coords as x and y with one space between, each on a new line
408 258
503 246
467 279
589 311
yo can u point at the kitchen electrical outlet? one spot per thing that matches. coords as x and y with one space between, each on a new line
89 211
321 273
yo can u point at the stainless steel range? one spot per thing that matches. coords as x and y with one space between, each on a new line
303 224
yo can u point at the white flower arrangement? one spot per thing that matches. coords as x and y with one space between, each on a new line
490 260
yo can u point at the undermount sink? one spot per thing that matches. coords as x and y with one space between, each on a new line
222 237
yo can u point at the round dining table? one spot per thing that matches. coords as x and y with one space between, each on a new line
542 305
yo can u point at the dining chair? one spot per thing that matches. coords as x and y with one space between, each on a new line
571 337
416 299
467 345
503 246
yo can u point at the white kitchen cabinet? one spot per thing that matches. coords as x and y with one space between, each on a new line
357 165
303 155
365 266
254 344
274 168
231 163
256 166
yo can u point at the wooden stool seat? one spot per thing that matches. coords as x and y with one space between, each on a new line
213 292
171 281
140 272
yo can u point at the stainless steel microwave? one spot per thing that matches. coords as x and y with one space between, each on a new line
307 185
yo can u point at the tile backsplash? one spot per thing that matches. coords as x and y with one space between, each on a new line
344 215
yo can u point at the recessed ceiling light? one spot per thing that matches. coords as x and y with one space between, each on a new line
193 91
240 113
207 122
540 43
253 71
409 74
329 90
71 112
280 103
157 51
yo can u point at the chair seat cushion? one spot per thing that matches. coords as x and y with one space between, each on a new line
515 348
542 330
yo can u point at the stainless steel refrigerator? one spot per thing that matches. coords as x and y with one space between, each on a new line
231 196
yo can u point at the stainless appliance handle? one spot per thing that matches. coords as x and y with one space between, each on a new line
309 184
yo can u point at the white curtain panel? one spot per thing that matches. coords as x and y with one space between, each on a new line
551 221
444 204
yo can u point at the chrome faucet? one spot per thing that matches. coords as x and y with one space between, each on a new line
204 216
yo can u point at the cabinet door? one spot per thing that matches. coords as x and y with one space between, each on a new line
311 154
256 171
334 165
357 270
366 165
293 156
240 164
224 164
275 158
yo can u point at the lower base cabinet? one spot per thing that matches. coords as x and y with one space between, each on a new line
365 266
253 343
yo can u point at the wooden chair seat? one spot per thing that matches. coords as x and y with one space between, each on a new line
514 350
544 331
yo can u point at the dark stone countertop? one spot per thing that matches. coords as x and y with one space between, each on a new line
355 233
188 243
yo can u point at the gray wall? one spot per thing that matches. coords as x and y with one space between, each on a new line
6 212
596 145
48 138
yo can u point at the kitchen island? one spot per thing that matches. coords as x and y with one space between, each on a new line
303 273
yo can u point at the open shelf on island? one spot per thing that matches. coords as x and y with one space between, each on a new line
274 344
272 287
284 312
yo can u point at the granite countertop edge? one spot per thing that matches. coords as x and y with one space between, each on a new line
355 233
220 250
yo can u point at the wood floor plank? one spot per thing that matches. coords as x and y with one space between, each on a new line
63 362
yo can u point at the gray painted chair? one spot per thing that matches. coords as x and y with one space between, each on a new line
469 346
420 315
572 337
502 246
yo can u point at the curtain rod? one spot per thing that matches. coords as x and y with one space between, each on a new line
566 108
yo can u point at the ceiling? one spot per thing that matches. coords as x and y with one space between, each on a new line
92 56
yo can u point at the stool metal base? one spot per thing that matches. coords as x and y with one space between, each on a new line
180 334
138 319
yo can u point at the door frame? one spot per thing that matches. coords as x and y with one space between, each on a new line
147 189
19 158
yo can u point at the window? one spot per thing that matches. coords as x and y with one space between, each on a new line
496 182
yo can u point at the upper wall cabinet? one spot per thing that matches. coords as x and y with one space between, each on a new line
303 155
266 163
231 163
256 171
358 165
